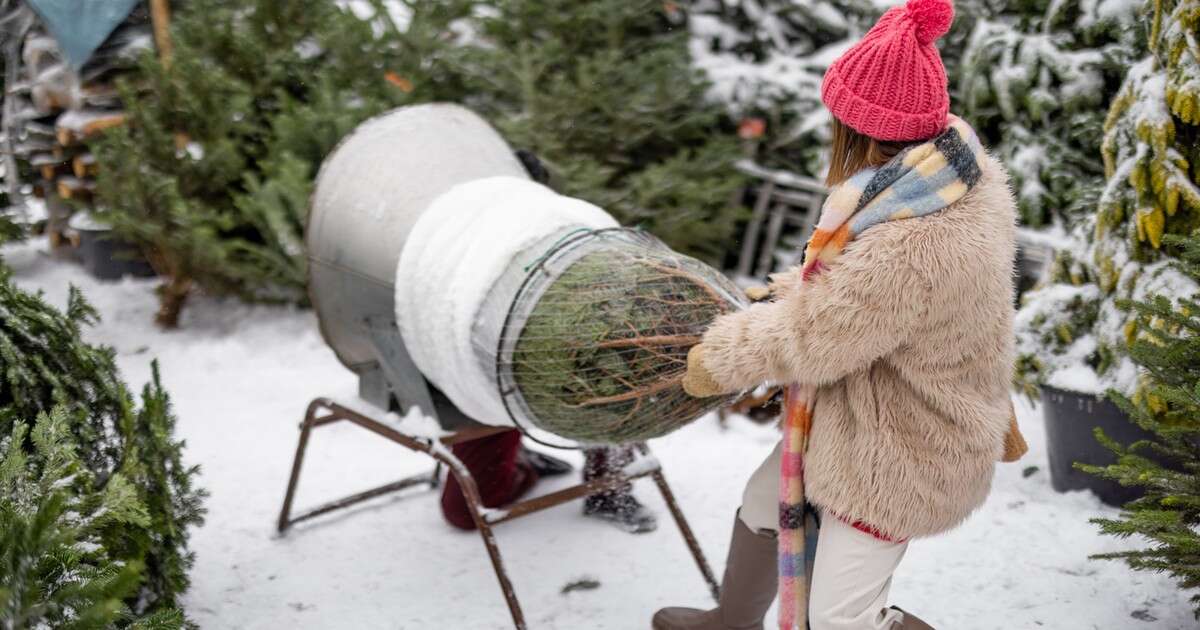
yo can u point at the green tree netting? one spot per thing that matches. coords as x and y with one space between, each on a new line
595 343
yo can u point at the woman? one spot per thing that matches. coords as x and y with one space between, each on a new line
895 338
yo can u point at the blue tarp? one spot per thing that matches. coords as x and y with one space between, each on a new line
80 26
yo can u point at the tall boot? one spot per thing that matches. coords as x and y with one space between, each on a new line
747 590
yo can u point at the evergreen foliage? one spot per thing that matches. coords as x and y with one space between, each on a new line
117 457
1077 330
1167 349
600 353
766 59
1033 78
46 363
213 173
56 571
603 93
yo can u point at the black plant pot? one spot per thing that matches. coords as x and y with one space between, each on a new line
1071 420
106 257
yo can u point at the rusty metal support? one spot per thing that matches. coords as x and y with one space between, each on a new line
323 411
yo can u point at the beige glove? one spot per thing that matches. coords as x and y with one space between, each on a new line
698 382
1014 443
758 294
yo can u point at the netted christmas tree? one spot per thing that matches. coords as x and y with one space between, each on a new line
122 452
1074 332
603 94
1034 78
1167 518
213 172
766 59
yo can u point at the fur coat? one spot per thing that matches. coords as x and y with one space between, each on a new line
908 336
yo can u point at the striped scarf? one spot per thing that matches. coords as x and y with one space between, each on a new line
921 180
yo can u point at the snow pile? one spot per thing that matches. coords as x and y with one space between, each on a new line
454 256
1045 318
1074 330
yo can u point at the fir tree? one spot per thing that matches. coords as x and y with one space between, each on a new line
1077 325
1033 78
55 570
121 451
1167 349
152 462
212 174
603 94
46 363
766 59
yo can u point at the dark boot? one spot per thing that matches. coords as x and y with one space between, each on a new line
747 590
623 509
542 464
618 505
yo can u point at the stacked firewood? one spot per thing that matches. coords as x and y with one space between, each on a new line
61 110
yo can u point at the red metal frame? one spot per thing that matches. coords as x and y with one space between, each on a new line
323 411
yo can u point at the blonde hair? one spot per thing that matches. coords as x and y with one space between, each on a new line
851 152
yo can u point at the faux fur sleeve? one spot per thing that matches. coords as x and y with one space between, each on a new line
860 309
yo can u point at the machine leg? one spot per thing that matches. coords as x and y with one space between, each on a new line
294 479
471 493
688 537
445 459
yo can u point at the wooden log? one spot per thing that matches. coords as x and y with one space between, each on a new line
70 187
76 126
84 165
96 126
48 165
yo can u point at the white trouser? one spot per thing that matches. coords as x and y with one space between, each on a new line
853 570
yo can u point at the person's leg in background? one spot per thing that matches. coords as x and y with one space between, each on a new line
617 505
498 470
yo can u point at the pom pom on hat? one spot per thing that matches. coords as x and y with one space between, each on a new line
892 84
932 18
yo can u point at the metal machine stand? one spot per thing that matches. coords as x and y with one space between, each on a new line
322 411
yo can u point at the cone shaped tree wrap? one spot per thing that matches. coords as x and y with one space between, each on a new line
528 307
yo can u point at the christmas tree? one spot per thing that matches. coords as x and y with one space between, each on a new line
120 452
1074 332
55 570
602 92
1167 349
212 174
1033 78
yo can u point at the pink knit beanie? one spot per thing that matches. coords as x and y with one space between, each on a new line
892 85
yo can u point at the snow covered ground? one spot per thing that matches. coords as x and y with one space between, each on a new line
241 376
